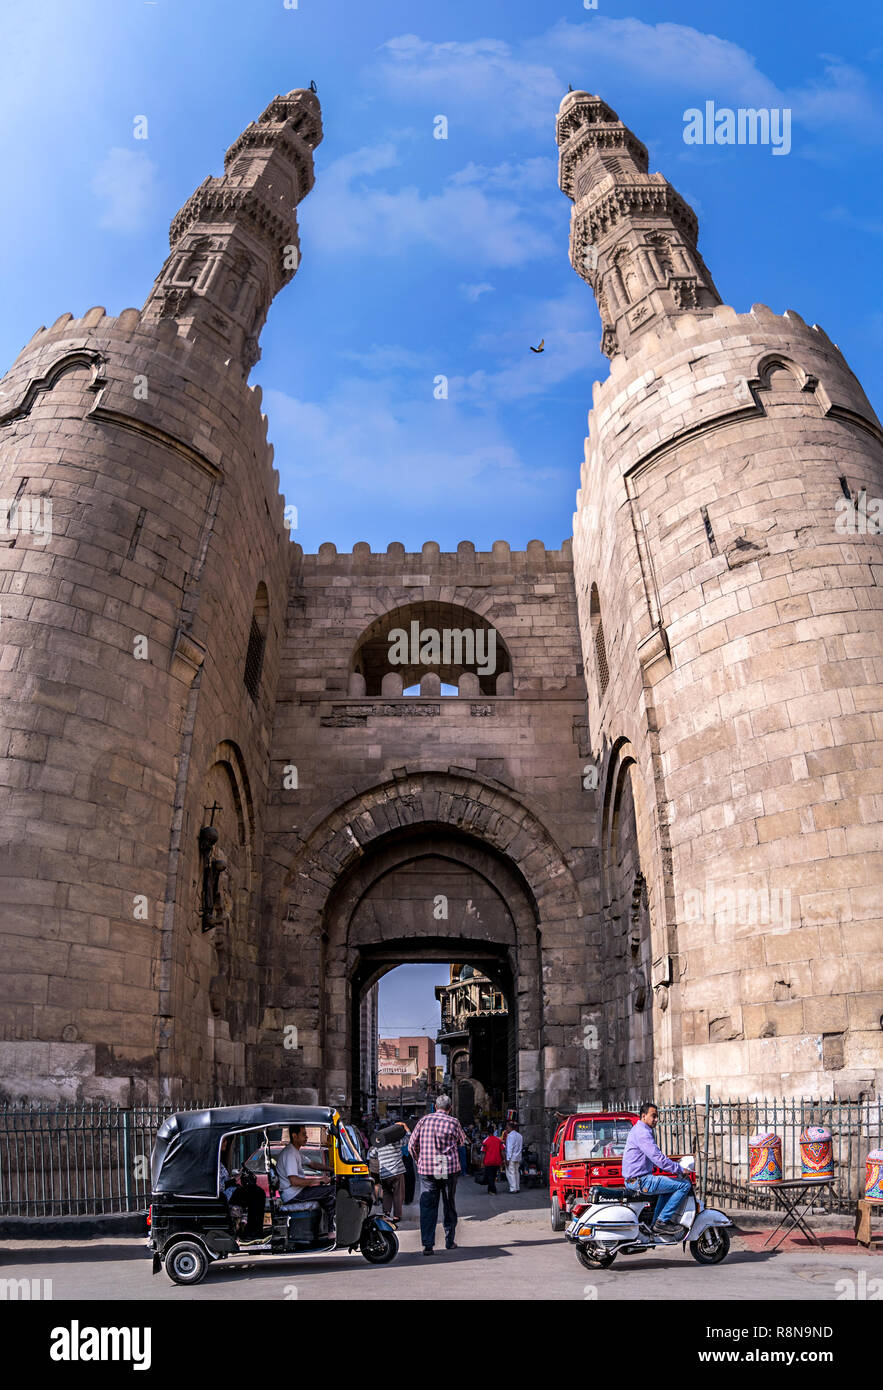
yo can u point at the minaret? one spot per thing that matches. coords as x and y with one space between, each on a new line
632 236
152 655
235 242
725 577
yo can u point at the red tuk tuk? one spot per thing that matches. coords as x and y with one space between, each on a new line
586 1152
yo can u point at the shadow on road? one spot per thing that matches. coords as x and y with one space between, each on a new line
71 1254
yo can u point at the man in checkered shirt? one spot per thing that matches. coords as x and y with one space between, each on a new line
435 1148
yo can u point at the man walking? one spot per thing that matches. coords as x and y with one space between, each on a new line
640 1156
514 1147
391 1168
435 1148
494 1151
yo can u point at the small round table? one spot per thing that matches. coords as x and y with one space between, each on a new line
791 1195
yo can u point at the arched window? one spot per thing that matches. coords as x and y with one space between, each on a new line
257 637
459 649
598 640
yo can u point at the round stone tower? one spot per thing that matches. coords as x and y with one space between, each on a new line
728 566
144 566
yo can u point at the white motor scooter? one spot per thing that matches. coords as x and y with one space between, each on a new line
612 1225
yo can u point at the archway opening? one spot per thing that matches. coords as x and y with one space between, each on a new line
427 1026
435 895
445 640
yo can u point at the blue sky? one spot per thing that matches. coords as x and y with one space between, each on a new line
424 257
407 1004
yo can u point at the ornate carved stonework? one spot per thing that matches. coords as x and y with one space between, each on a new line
639 230
230 240
686 293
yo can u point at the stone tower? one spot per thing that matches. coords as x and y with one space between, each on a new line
141 625
729 598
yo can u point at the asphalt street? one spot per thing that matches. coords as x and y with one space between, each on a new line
506 1250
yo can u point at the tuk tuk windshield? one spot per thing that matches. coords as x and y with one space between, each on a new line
350 1145
598 1139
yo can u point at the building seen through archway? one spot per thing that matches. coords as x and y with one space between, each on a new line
474 1035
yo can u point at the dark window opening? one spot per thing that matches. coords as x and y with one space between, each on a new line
257 637
254 660
598 638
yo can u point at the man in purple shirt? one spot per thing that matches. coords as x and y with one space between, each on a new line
640 1156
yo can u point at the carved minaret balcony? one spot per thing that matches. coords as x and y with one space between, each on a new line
235 242
632 236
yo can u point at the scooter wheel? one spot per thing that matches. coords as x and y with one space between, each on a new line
712 1246
589 1261
380 1247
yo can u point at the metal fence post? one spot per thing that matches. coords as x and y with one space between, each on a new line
705 1144
127 1160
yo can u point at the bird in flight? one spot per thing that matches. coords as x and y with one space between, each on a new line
541 348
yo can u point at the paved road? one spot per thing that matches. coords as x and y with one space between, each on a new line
506 1251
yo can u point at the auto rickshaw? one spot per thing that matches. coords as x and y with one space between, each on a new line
192 1225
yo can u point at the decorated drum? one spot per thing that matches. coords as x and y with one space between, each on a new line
817 1152
874 1180
764 1158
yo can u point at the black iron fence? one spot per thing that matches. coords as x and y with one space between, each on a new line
856 1128
717 1133
74 1159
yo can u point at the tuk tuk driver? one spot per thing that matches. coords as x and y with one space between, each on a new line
294 1184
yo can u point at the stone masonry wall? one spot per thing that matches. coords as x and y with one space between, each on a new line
355 754
165 517
742 635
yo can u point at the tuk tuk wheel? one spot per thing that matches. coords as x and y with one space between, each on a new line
593 1261
559 1217
380 1247
186 1263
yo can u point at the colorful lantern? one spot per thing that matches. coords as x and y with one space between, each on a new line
764 1158
874 1180
817 1152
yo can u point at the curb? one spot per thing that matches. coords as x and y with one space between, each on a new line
73 1227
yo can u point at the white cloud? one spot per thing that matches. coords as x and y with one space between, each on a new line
125 182
470 75
465 221
508 87
842 97
569 327
474 292
381 438
383 358
870 225
527 176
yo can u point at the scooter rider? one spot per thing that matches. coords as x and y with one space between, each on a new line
640 1156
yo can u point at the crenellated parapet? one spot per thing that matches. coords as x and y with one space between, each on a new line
499 560
136 368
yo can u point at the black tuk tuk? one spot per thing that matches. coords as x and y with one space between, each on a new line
192 1224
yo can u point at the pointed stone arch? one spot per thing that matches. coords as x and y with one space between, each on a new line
546 885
